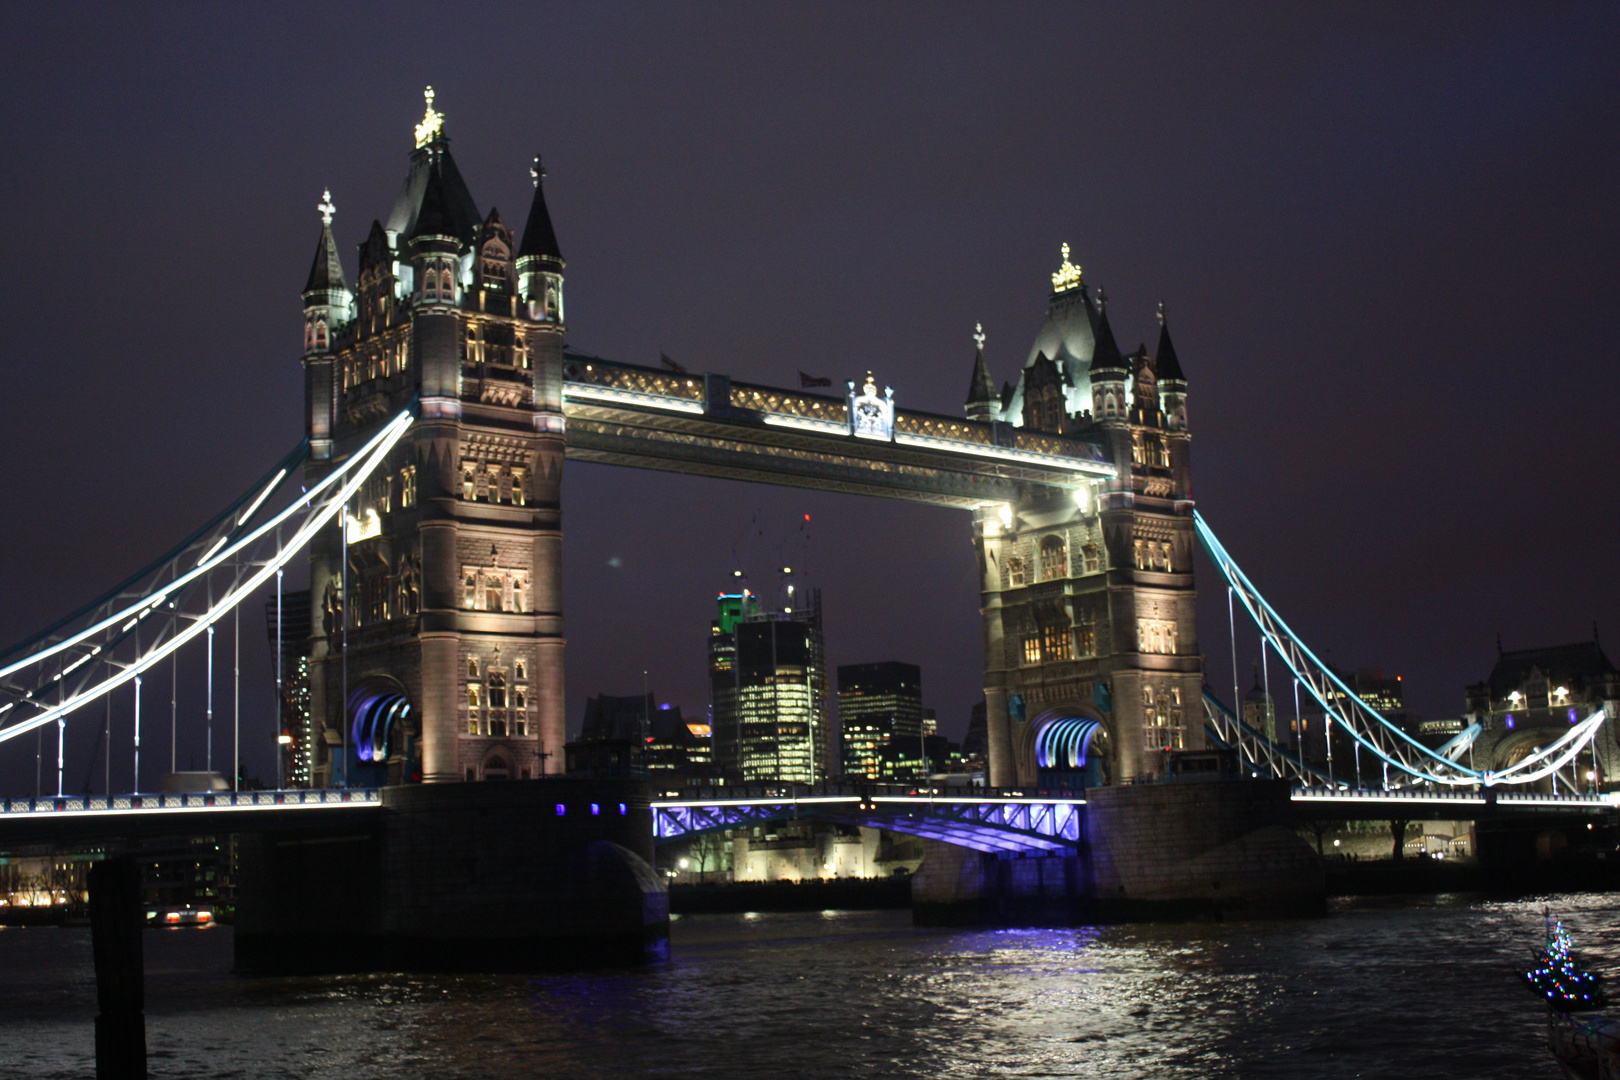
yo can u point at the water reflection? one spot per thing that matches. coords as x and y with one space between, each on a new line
1376 989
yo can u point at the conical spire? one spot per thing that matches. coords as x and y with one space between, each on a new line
1164 357
327 271
1105 356
981 391
539 239
434 217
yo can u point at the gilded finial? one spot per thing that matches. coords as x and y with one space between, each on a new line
1067 276
326 207
978 335
1161 312
869 388
537 171
432 125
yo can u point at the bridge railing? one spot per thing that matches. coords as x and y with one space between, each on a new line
1475 797
191 800
754 793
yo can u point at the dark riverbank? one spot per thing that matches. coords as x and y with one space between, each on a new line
1407 877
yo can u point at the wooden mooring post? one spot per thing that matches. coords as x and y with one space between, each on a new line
115 935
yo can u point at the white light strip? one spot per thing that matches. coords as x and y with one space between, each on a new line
577 391
783 801
217 545
263 495
807 423
375 451
1451 800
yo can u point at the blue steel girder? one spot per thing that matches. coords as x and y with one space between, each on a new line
1020 826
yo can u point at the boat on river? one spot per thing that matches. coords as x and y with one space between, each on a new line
1586 1045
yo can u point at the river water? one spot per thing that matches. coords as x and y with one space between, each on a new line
1411 988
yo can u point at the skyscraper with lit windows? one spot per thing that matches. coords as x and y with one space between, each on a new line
767 673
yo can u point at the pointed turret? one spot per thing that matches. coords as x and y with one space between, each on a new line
493 273
328 303
1144 388
540 262
981 400
1171 380
1108 369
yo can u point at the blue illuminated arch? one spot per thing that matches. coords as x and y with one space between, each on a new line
1062 743
375 707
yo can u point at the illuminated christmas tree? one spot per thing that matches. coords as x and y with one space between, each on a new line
1560 980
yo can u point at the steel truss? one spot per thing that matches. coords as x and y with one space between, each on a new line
110 642
1010 824
1340 705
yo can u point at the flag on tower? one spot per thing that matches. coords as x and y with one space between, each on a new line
807 381
672 365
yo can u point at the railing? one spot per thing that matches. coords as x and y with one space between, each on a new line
189 801
1482 797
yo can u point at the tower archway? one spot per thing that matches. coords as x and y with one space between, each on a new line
1066 747
381 730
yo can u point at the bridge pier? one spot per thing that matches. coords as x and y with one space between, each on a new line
1199 849
517 876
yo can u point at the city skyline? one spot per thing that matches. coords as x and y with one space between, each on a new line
1380 317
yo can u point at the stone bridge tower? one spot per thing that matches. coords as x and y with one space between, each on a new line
437 648
1092 668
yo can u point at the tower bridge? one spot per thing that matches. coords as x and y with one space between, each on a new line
441 406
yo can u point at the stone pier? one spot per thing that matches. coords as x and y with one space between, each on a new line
517 876
1214 849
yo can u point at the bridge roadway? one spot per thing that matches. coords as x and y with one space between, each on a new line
1013 821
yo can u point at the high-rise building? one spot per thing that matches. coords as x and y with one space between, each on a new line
288 627
877 704
767 672
666 746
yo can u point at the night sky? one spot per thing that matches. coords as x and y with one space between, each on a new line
1387 237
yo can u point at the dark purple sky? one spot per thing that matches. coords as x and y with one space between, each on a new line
1387 235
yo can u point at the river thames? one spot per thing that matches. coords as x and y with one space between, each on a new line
1425 987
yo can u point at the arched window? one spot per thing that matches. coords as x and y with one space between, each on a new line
522 670
447 288
472 667
497 689
1054 558
320 333
1092 558
492 592
469 590
1141 556
472 710
1015 571
1164 557
430 285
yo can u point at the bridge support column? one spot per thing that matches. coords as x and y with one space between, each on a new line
115 933
518 876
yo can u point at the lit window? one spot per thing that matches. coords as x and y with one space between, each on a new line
1092 558
472 710
522 670
1141 556
1056 644
1054 558
1032 650
468 471
518 494
1015 571
470 590
472 667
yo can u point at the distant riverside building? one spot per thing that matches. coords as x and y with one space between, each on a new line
296 734
1532 695
878 704
768 684
903 761
657 740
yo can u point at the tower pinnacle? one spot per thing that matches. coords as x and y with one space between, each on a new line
978 335
1067 276
326 207
537 171
432 125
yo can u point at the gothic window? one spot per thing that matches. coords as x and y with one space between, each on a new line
1032 649
1164 557
469 583
1141 556
1092 558
1086 640
320 333
1055 643
472 710
1015 571
468 486
517 488
492 593
472 667
1054 558
1162 449
497 689
1138 453
522 670
520 711
520 597
1110 405
447 288
407 486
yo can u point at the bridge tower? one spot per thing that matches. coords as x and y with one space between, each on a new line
436 646
1092 668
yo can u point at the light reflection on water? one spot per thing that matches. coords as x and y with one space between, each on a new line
1425 988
